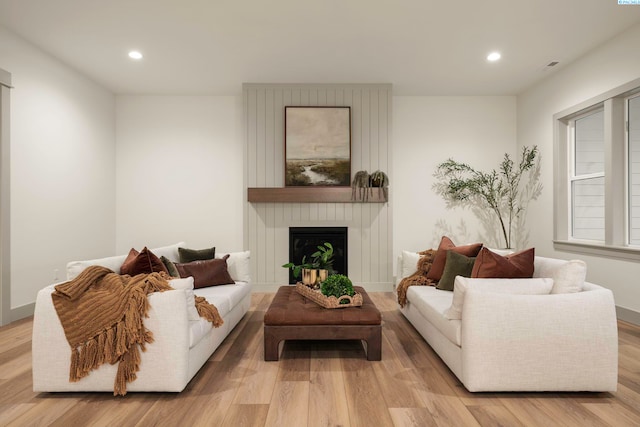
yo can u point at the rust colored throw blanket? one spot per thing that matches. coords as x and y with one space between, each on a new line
418 278
102 314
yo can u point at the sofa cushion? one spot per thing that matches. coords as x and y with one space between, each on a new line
456 265
504 286
189 255
212 272
491 265
435 272
224 297
432 303
198 329
142 262
238 265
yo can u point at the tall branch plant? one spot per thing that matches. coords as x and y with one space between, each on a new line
500 190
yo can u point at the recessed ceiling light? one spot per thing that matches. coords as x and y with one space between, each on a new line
134 54
493 56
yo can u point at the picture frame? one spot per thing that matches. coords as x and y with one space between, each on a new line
317 146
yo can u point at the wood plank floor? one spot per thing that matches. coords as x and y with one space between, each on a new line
316 383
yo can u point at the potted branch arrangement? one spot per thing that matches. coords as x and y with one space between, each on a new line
499 192
317 269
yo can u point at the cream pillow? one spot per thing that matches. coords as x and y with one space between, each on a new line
238 265
186 284
569 277
409 263
540 286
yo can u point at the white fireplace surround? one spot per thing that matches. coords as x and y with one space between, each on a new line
266 225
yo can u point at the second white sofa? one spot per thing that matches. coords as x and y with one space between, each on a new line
508 342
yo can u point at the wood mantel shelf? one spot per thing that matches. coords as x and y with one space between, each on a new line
311 195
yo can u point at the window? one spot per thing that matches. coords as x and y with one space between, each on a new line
587 179
633 120
597 165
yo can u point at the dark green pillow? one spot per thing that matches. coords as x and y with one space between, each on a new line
189 255
171 267
456 265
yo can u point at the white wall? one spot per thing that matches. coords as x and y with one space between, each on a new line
179 171
428 130
62 167
612 64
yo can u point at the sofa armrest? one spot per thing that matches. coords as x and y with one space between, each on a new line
398 271
540 342
164 365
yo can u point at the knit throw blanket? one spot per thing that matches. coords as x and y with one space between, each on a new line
419 278
102 314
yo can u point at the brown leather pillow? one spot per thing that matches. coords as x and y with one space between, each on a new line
435 273
142 262
518 265
211 272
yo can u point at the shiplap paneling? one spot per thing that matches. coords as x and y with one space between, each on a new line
266 225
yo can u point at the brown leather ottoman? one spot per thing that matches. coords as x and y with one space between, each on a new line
294 317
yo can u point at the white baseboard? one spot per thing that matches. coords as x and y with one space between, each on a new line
23 311
628 315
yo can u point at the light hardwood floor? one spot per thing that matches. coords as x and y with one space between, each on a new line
316 384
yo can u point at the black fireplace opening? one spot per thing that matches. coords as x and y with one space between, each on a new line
303 241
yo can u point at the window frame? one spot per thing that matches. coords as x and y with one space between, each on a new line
573 176
616 242
628 180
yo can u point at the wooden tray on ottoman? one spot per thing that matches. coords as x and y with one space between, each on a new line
328 302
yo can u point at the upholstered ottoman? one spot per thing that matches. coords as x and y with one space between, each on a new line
294 317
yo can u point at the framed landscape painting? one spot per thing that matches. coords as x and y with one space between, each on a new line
317 146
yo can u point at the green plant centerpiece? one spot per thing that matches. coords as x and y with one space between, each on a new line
318 268
297 268
337 285
323 257
499 192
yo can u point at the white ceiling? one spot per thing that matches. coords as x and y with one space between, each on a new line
423 47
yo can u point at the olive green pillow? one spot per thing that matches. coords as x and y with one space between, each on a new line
189 255
456 265
171 267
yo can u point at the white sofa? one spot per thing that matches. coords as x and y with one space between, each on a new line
180 348
506 342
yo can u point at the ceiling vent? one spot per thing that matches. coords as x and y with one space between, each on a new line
549 66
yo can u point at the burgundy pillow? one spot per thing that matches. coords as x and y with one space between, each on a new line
143 262
211 272
129 260
435 272
490 264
